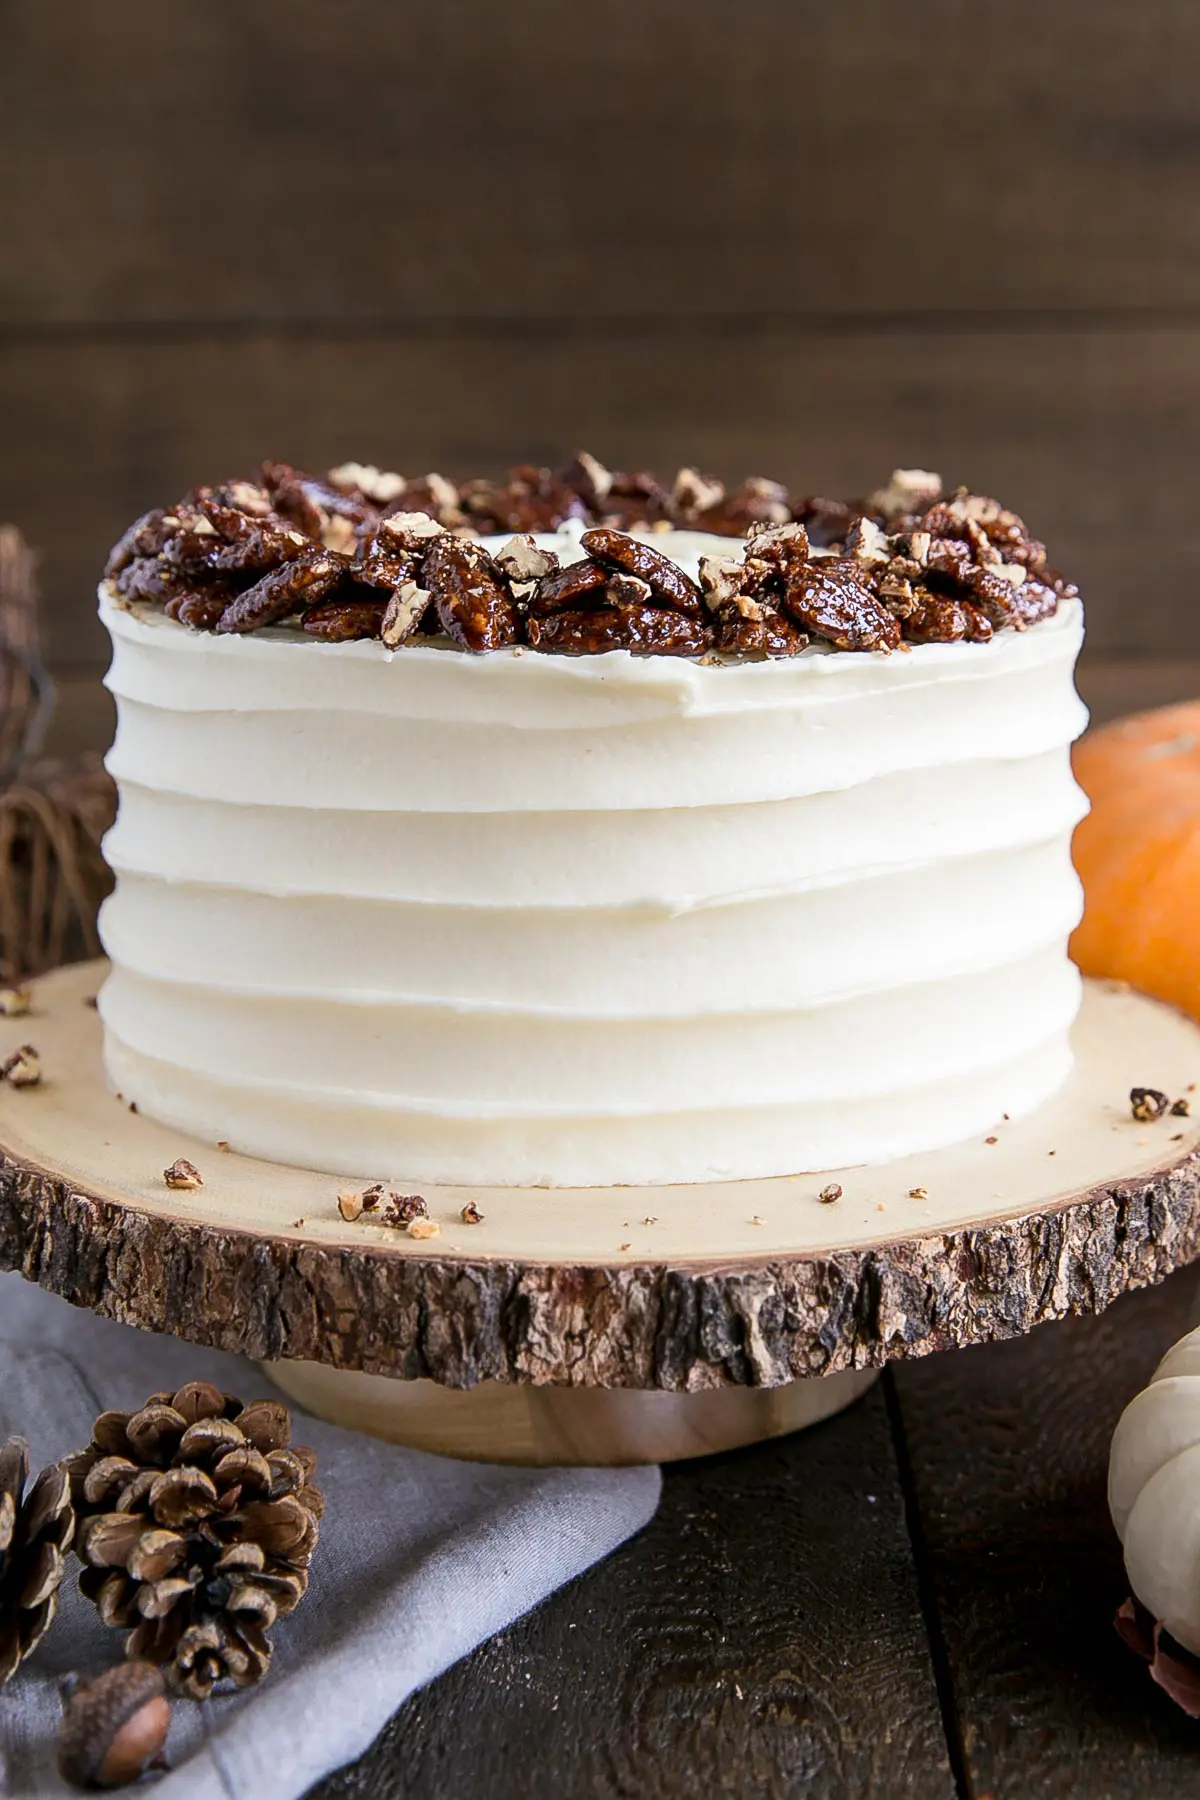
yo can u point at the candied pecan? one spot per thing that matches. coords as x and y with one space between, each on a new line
979 626
650 630
566 587
1032 601
383 563
829 599
749 627
474 605
934 619
313 505
826 521
757 502
635 502
587 476
250 544
337 621
144 538
200 607
1066 590
670 586
405 614
304 580
532 499
522 560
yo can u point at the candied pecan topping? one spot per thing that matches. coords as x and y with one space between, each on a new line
362 552
337 621
830 600
651 630
305 579
474 605
666 580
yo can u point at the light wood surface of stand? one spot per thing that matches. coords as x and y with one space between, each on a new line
721 1303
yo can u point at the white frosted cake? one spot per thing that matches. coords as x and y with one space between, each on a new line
393 909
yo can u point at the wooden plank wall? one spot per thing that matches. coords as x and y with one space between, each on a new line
786 237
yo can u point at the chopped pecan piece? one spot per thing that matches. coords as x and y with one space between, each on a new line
867 542
522 560
948 557
312 503
776 554
908 491
474 605
830 600
721 580
694 493
338 621
566 587
587 476
1005 602
670 586
306 579
404 613
379 485
409 532
650 630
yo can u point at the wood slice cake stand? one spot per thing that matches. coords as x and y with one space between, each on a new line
602 1325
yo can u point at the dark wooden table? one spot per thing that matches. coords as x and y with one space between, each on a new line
913 1599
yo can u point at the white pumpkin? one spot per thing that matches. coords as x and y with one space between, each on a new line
1154 1491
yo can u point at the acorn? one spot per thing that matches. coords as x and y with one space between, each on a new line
114 1727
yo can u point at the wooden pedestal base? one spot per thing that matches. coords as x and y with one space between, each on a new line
500 1422
602 1325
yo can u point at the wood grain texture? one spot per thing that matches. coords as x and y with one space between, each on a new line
1009 1452
1083 433
761 1639
292 160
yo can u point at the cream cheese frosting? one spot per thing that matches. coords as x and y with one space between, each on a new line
520 920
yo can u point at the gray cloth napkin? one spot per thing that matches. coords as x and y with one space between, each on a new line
420 1559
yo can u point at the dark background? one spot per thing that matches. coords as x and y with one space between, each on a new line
770 236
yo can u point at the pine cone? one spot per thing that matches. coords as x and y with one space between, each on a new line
35 1535
197 1525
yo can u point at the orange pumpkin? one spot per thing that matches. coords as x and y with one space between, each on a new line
1138 853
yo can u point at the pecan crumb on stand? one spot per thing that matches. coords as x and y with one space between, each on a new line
1148 1103
830 1192
470 1214
23 1069
183 1176
14 1000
